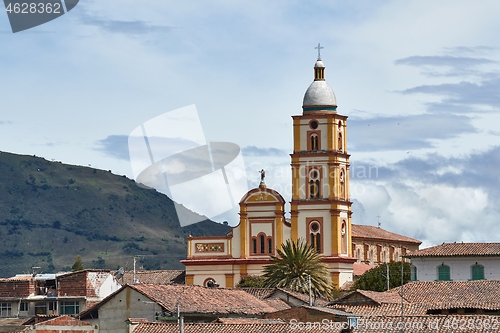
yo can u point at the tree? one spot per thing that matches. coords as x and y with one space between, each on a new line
376 278
251 281
296 261
78 265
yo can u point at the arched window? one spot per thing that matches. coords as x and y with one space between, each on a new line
339 137
477 272
342 184
209 282
254 245
314 184
262 243
269 245
444 273
314 141
315 235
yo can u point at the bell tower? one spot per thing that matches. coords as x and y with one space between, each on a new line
321 206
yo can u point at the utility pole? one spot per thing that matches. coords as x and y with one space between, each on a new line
387 274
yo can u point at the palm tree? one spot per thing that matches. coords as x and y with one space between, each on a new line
296 261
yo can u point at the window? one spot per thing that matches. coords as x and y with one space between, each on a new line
24 307
315 235
41 308
444 273
52 307
5 309
314 184
477 272
314 142
70 307
413 270
254 245
269 245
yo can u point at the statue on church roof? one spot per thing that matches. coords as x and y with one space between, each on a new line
262 175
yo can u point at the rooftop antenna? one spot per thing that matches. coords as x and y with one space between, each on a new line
135 279
378 221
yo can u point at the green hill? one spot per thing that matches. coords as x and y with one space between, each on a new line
51 212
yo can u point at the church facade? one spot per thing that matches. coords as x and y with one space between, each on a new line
320 204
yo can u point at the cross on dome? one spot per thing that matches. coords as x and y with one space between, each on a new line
319 47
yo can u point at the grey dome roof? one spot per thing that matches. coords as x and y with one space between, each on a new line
319 95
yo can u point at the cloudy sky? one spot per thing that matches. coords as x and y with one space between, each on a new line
419 80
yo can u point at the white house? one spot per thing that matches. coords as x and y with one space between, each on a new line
457 262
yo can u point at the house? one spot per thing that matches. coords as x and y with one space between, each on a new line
164 302
457 262
374 245
425 298
54 294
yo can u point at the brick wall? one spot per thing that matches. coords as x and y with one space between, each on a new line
16 288
62 324
74 284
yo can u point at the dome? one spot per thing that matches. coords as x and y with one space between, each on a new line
319 95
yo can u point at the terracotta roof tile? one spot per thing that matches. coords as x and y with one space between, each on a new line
371 232
458 249
249 321
277 303
368 295
196 299
224 328
457 292
438 324
360 269
154 276
260 293
385 309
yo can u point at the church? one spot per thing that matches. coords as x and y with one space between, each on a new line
320 207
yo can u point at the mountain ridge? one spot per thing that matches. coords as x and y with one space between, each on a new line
50 212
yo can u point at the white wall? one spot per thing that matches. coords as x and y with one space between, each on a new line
460 267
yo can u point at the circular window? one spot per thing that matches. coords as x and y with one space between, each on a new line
313 124
315 226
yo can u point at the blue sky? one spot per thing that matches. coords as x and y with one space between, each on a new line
420 82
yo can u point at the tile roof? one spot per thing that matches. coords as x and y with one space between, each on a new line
385 309
224 328
261 293
303 297
360 269
363 296
197 299
458 249
371 232
463 293
154 276
277 303
249 321
266 293
438 324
